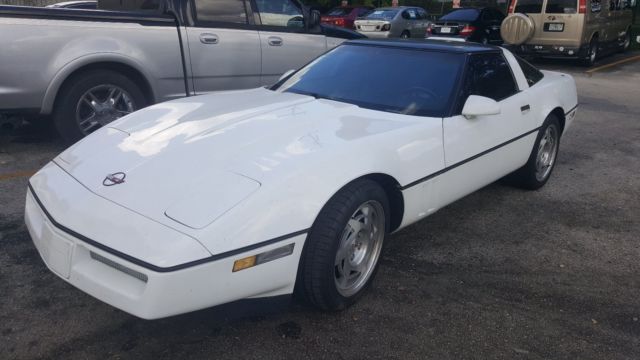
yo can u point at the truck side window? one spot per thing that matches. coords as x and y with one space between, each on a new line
280 13
227 11
489 75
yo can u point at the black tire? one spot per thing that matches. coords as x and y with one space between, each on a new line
592 53
64 114
627 41
318 263
526 177
405 35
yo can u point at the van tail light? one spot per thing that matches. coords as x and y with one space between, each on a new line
512 6
582 7
386 27
467 30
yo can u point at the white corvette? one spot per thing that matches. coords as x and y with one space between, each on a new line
235 195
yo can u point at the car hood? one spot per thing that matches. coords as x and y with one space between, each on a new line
177 156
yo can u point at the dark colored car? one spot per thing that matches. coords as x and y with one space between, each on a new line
344 16
472 24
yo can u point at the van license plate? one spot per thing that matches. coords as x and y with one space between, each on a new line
554 26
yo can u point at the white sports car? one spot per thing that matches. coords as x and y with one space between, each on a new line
244 194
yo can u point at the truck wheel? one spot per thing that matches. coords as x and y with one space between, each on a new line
343 247
626 43
93 99
592 53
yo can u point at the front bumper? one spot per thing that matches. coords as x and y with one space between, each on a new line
549 51
151 294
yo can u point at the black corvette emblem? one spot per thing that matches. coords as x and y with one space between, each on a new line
114 179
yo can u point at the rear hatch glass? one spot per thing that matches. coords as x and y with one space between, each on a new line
561 7
529 6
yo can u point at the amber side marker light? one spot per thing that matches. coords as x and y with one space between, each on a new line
265 257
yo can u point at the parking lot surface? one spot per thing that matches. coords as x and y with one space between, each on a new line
503 273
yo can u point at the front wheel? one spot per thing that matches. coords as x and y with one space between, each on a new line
344 245
93 99
536 172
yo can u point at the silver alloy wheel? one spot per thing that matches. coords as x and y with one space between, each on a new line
359 248
101 105
547 152
593 52
627 40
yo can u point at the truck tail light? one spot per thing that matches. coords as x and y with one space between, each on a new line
467 30
582 7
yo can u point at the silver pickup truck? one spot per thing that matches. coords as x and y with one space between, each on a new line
88 67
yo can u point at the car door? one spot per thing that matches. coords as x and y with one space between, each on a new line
284 41
482 149
224 47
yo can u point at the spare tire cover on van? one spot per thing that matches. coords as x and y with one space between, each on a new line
516 29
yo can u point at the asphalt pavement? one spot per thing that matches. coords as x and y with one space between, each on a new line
501 274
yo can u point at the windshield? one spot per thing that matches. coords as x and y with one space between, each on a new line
462 15
339 11
407 81
381 14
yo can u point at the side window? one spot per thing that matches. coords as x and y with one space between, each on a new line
596 6
228 11
532 74
423 14
283 13
489 75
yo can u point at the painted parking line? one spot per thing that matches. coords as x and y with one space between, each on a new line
15 175
615 63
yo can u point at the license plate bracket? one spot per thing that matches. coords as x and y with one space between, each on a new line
554 27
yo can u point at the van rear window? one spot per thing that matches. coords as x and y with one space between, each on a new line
529 6
561 7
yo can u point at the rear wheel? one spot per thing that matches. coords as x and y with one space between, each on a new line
343 247
592 53
93 99
405 35
536 172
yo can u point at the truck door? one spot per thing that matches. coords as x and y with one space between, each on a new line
224 47
284 41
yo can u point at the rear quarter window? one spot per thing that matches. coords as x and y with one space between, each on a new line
531 73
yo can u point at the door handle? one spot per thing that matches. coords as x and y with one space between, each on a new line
209 39
275 41
525 108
